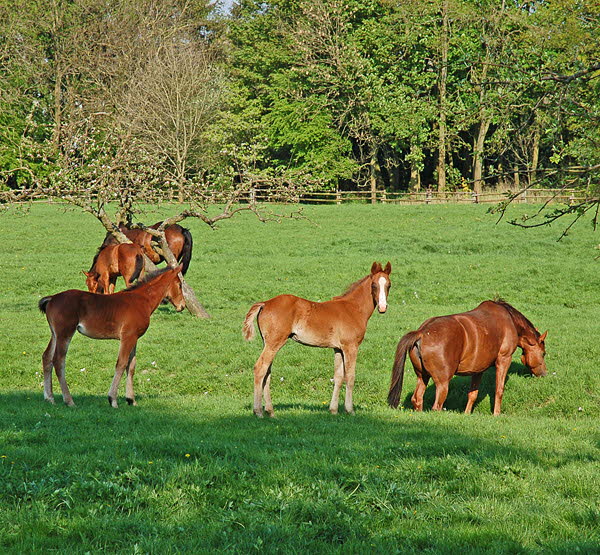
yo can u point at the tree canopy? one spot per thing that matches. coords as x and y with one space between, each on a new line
323 94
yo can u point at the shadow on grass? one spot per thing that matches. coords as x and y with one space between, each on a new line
196 474
459 388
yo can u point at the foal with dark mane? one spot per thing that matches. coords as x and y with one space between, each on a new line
339 324
125 259
467 344
124 316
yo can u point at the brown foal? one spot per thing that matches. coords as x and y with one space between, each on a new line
339 324
124 316
126 259
467 344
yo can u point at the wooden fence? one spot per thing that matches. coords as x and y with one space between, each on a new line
429 196
532 196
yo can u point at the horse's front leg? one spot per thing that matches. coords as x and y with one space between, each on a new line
126 352
129 394
502 366
350 354
338 378
473 392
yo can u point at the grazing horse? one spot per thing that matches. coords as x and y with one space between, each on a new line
339 324
124 316
125 259
467 344
178 238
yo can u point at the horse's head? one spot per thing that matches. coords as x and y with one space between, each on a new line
380 285
174 292
91 281
534 351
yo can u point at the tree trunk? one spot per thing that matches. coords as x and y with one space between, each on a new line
374 169
191 301
484 125
415 174
443 78
535 154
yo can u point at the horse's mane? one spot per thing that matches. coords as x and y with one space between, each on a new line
148 277
519 319
95 259
353 286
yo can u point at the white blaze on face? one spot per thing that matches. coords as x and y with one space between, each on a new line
382 298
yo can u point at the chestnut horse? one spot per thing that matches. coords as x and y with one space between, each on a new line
178 238
126 259
339 324
124 316
467 344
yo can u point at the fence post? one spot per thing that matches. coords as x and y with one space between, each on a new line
383 197
475 195
428 195
338 197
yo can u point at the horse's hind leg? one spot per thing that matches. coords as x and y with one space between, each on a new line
441 392
261 380
267 394
417 396
126 354
129 394
422 380
47 365
338 378
58 360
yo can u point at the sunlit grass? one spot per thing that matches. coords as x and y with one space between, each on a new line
96 479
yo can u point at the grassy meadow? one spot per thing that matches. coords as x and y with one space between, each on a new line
191 469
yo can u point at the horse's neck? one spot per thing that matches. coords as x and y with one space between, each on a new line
154 291
524 330
361 300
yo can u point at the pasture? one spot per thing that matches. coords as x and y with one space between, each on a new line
191 468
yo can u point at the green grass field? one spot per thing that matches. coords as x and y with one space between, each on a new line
191 469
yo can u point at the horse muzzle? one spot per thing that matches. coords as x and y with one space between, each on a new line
382 309
539 371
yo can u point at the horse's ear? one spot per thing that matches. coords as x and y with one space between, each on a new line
375 268
179 268
86 274
388 268
543 336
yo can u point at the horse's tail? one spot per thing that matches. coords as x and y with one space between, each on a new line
139 265
186 252
44 303
404 346
248 327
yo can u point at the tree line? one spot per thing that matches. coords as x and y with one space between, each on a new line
143 95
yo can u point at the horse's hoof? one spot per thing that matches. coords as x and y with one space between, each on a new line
71 405
271 413
333 411
351 412
131 402
258 413
49 400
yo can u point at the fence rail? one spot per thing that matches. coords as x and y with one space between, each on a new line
532 196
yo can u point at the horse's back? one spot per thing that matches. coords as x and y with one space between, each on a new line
468 341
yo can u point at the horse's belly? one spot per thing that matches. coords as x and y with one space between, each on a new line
93 333
312 338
